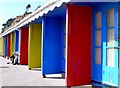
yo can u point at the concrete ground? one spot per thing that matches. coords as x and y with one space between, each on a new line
19 75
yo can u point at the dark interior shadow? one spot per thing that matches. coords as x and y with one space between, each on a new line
100 85
55 77
4 66
23 65
36 69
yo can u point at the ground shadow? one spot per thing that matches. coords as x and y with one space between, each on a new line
55 77
36 69
4 66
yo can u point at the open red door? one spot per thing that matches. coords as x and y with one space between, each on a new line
79 45
24 46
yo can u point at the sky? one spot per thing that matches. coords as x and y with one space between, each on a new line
13 8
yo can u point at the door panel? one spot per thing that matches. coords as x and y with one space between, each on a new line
5 46
79 45
12 42
97 44
34 56
119 53
2 46
52 59
24 46
16 40
8 46
119 43
110 52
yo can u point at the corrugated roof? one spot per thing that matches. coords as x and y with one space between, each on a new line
35 14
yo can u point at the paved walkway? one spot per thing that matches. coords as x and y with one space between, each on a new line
19 75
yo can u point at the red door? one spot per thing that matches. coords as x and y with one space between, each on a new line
24 46
79 45
8 45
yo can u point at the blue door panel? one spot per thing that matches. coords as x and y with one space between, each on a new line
51 46
6 45
16 40
96 68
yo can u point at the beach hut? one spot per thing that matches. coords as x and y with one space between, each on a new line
64 33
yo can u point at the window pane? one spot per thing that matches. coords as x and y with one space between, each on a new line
110 17
119 16
98 56
98 38
98 20
110 37
110 57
